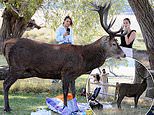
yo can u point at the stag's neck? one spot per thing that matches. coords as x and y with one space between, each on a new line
144 84
94 55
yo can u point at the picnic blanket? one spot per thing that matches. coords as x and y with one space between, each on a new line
56 104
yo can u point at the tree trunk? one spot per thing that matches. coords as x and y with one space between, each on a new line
12 26
17 18
142 56
140 72
144 15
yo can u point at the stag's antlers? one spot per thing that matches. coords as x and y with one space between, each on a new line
103 13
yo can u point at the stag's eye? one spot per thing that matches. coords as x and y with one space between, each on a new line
114 44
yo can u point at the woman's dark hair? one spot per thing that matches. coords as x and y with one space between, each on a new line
104 71
127 20
68 17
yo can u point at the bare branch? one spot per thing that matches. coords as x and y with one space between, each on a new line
32 24
16 11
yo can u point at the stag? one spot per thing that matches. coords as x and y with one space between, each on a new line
53 61
130 90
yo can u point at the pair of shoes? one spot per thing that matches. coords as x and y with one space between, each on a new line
66 111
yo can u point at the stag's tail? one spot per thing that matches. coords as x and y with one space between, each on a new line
6 48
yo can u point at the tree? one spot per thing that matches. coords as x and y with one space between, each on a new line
86 22
144 15
112 63
17 17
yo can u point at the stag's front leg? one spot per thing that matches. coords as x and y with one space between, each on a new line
6 86
65 111
136 100
65 90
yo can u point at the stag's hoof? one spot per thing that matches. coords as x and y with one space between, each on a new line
7 109
66 111
119 109
75 107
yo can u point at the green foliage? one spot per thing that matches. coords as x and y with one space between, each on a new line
29 94
25 8
36 85
86 22
152 3
25 103
112 62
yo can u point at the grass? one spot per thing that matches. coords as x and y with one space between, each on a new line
2 60
43 35
29 94
126 111
127 104
139 44
25 103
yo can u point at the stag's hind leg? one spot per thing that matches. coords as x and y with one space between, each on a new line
6 86
65 111
119 100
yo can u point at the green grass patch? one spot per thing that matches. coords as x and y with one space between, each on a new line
29 94
2 60
24 103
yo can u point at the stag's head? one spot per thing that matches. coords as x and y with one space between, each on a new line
109 42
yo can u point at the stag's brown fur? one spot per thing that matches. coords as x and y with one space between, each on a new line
65 62
54 60
130 90
32 56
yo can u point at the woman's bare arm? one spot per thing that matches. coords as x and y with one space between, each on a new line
131 38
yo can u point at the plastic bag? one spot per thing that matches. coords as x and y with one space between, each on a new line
41 112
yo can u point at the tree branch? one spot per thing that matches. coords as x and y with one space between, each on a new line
112 72
32 24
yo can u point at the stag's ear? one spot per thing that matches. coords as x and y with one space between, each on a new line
111 37
106 40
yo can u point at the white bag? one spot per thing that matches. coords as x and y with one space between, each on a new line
41 112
